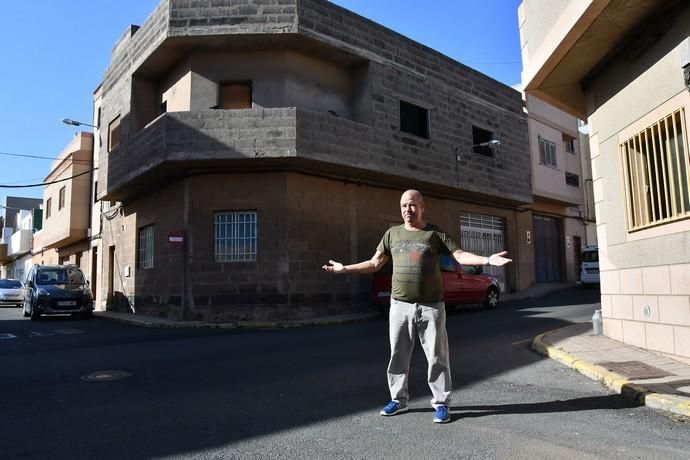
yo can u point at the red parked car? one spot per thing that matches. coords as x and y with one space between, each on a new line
461 285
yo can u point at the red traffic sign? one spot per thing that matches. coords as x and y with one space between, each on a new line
176 239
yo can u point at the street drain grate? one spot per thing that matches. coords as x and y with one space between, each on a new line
105 376
635 370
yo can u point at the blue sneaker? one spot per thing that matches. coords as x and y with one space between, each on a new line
393 408
442 415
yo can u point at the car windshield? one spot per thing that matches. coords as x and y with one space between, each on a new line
10 284
590 256
59 275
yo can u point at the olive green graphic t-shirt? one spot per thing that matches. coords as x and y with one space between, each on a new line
415 254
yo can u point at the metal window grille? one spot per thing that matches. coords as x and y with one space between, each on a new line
656 176
483 235
145 252
547 153
235 236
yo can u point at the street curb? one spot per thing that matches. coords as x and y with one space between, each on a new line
617 383
152 322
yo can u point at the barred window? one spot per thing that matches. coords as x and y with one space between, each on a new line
145 252
547 153
655 173
235 236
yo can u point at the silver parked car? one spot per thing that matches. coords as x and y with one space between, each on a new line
11 293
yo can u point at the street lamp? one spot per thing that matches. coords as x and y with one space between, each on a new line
68 121
490 143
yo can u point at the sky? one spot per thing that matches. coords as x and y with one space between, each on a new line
55 52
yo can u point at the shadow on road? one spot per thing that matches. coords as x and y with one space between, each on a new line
196 392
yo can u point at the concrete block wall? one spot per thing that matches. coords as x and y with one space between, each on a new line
458 97
400 69
218 17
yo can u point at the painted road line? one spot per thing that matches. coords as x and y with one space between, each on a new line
7 335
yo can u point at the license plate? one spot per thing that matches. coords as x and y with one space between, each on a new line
66 303
383 294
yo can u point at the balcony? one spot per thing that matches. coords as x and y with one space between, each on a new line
19 243
179 143
71 186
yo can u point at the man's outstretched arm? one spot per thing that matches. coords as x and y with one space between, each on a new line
467 258
368 266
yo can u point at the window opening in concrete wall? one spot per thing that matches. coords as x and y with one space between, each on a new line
481 139
572 179
235 236
146 244
569 143
235 95
61 198
49 207
114 133
656 175
547 153
414 120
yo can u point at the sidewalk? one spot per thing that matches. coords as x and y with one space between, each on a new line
155 321
651 379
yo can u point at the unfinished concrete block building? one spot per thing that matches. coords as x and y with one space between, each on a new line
243 143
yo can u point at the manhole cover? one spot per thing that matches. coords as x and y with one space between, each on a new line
105 376
635 370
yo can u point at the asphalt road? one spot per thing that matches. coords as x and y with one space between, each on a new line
310 393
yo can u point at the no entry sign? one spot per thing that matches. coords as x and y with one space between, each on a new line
176 239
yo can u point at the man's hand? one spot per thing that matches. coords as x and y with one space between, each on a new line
334 267
497 259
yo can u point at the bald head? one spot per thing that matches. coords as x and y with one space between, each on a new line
412 195
412 210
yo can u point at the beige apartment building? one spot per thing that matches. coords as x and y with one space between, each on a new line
67 201
558 223
20 217
624 66
241 146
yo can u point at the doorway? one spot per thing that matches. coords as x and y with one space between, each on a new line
547 249
111 275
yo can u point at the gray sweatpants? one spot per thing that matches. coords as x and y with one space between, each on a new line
428 322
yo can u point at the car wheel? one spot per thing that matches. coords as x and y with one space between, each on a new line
492 295
34 314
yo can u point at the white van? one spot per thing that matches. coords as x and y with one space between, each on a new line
589 267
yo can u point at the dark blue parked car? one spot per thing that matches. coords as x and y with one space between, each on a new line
56 290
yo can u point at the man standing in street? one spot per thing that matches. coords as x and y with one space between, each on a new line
417 305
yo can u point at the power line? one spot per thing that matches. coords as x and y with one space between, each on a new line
41 157
48 183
